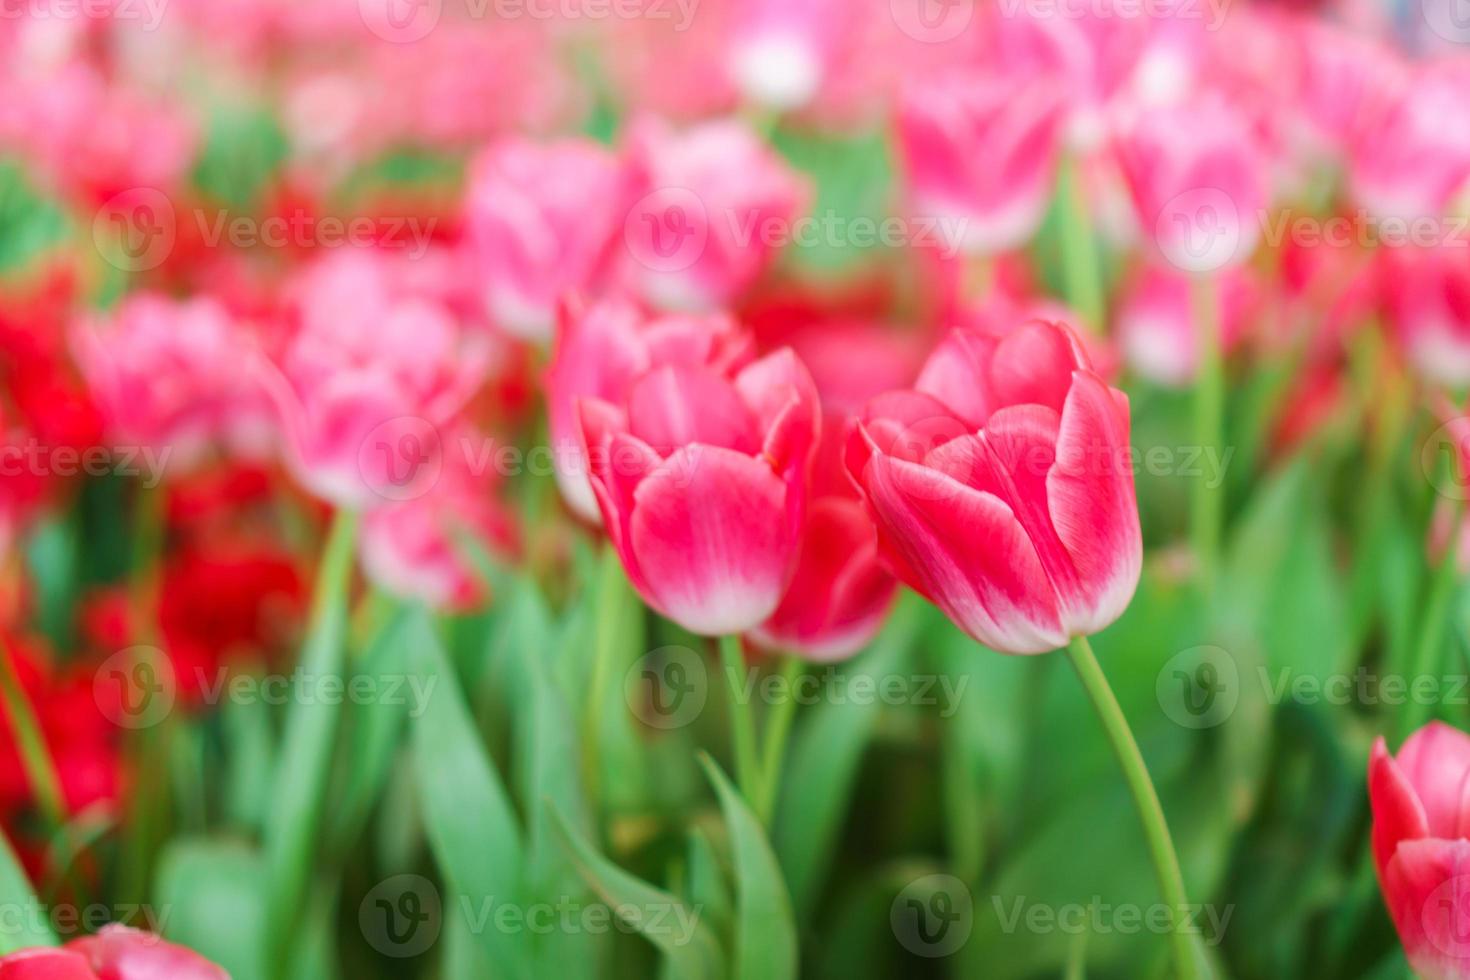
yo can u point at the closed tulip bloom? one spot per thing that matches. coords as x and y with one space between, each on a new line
1198 180
702 478
166 374
376 365
715 203
541 220
1421 846
600 351
1002 487
1411 157
115 953
981 151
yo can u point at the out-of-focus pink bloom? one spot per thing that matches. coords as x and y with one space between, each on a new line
715 203
167 375
541 219
1421 845
1341 74
117 952
781 50
1158 324
601 352
1428 299
94 138
1002 488
415 548
376 366
1198 180
1412 153
980 149
702 481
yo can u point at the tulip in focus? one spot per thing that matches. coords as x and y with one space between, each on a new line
541 219
601 351
980 150
1421 846
115 953
702 478
1002 487
166 375
716 202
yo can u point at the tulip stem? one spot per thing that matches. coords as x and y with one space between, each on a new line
778 728
1145 798
742 724
35 756
1206 502
1081 271
1431 634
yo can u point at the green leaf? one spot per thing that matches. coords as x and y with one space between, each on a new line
692 956
293 829
765 929
20 931
473 830
212 893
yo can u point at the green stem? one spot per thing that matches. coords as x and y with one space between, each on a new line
742 723
1081 267
778 728
1431 637
35 757
607 628
1145 798
294 823
1207 502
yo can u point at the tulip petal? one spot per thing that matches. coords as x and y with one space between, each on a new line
1427 889
712 539
676 405
1033 364
955 374
966 551
1435 760
780 391
1397 813
1093 504
120 953
42 963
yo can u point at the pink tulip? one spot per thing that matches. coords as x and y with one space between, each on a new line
1158 326
781 50
715 203
541 219
115 953
1428 299
702 481
1421 844
1002 487
1198 180
1412 154
981 151
415 548
601 352
166 374
375 366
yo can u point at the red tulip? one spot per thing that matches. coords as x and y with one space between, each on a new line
1421 846
702 478
981 150
541 220
1002 487
115 953
600 352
